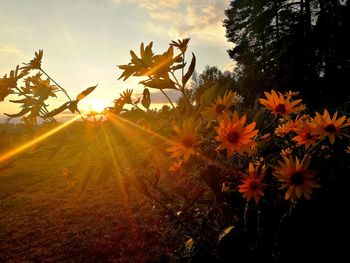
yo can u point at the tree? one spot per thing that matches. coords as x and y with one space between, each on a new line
211 76
291 45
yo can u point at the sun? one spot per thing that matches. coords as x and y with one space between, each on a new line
97 105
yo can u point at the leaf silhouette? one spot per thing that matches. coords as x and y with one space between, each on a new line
85 93
58 110
189 73
21 113
159 83
141 186
146 99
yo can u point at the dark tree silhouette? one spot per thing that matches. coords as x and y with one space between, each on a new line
300 45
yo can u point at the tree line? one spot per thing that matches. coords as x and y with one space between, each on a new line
287 45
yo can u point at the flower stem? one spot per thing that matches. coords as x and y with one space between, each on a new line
168 98
64 91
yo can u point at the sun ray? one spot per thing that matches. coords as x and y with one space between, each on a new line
126 122
23 147
115 161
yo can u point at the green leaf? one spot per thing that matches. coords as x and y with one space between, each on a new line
190 70
259 118
209 96
85 93
265 145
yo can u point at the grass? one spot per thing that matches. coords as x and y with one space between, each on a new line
44 215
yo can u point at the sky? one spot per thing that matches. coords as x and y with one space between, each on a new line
85 40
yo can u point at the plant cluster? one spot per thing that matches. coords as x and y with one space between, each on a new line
227 180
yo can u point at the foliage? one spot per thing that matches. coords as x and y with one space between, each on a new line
287 44
36 92
228 181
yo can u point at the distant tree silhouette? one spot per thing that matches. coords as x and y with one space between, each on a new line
300 45
211 76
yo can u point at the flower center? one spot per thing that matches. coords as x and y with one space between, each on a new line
308 136
233 137
254 185
187 142
220 108
281 109
330 128
297 178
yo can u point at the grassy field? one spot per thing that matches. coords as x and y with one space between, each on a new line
46 217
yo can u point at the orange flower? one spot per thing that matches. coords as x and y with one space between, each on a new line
327 126
219 107
251 184
286 152
176 166
289 126
347 150
184 144
305 135
234 136
293 174
278 104
290 94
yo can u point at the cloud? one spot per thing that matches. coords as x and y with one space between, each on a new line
230 66
8 50
199 19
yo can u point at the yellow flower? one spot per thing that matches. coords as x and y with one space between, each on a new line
118 106
305 135
295 176
234 136
182 45
5 87
184 144
219 107
251 184
10 82
326 126
35 63
278 104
